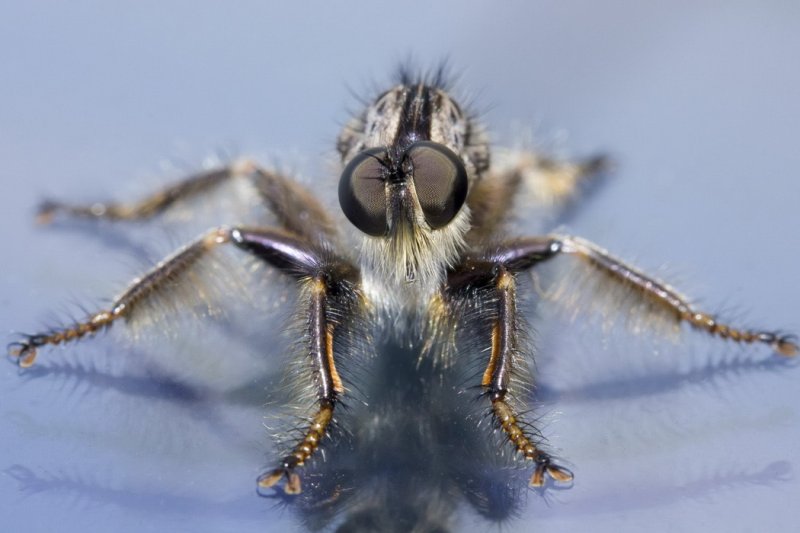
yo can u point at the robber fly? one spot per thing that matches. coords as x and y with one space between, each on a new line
423 276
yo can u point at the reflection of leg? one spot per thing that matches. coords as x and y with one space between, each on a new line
496 378
151 284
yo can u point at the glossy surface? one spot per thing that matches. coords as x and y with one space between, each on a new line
698 106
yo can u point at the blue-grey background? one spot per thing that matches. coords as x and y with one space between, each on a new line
698 103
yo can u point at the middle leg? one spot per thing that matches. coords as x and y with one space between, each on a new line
526 253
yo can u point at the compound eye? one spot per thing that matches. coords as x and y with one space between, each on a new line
440 180
362 192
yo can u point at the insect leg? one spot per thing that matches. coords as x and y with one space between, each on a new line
282 250
329 387
142 288
554 182
550 183
145 208
526 253
317 273
286 252
496 378
293 205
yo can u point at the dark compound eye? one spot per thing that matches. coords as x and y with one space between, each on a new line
440 180
362 192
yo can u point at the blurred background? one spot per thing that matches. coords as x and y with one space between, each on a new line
698 104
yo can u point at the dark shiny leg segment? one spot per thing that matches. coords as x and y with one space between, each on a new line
496 267
526 253
281 250
286 253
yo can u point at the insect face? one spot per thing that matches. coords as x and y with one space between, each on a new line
378 191
409 161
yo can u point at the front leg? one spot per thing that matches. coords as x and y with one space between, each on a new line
496 378
504 350
327 282
495 268
321 277
329 387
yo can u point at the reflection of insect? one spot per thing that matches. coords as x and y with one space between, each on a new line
434 270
